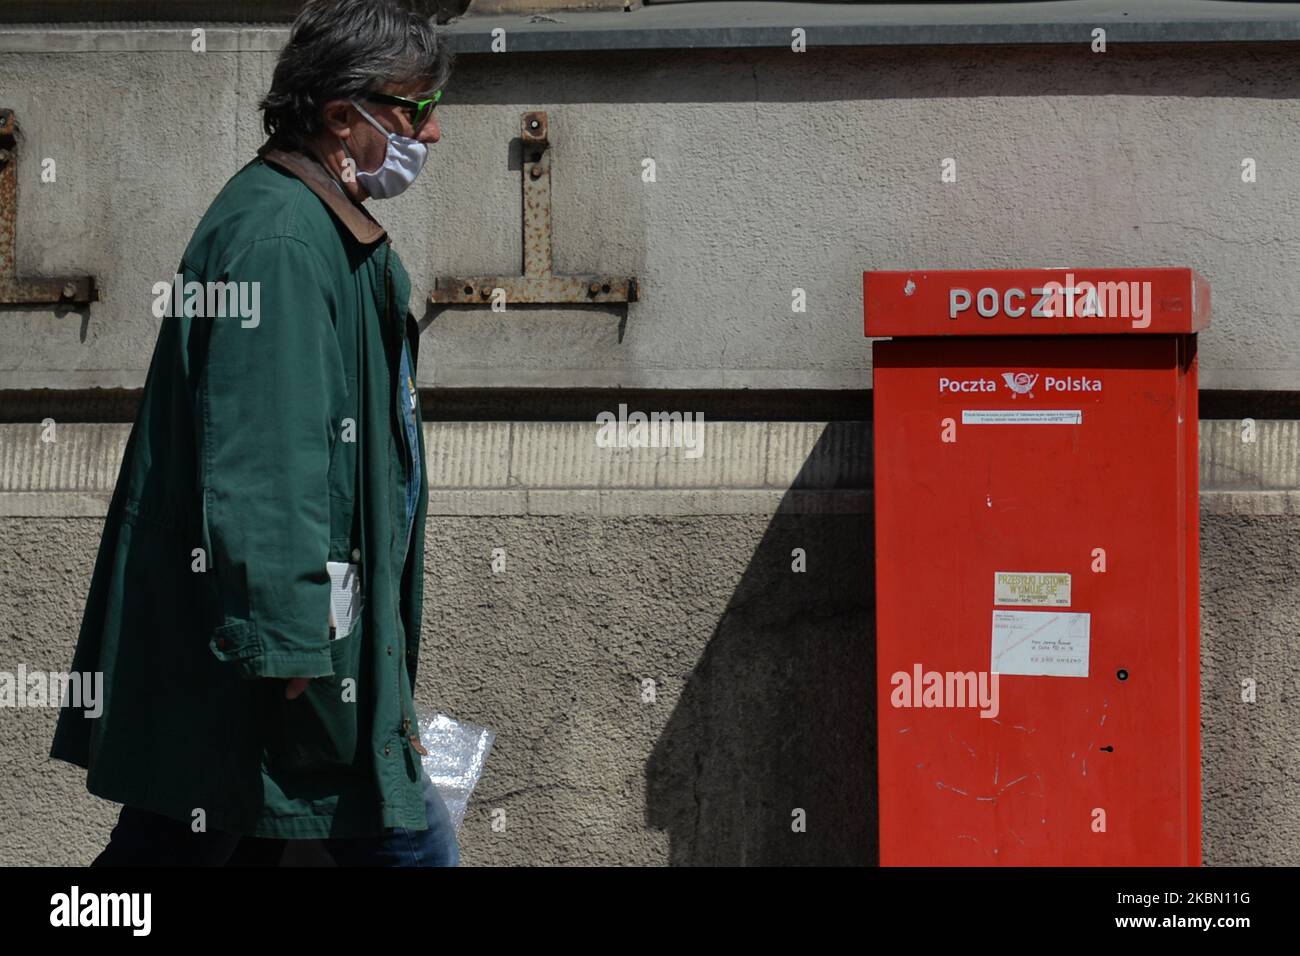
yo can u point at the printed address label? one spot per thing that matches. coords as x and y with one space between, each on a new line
1041 643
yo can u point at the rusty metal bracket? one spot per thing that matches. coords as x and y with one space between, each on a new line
538 284
13 290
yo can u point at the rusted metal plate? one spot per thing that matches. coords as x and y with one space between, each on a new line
15 290
538 285
536 166
541 289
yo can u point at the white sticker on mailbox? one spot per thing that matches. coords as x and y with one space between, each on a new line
1021 416
1032 588
1040 643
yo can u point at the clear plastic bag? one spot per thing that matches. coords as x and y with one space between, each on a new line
457 753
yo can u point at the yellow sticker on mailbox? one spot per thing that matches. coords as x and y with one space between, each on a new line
1031 588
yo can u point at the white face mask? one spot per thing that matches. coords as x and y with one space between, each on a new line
403 161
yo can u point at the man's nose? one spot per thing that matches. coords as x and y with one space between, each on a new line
431 133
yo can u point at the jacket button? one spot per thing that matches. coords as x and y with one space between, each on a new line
390 650
356 554
387 750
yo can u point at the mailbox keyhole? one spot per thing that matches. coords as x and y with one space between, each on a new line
1109 749
1122 674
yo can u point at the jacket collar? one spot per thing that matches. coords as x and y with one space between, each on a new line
316 178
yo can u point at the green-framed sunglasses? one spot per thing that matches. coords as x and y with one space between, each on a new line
418 111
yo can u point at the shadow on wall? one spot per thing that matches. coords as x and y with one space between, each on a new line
777 713
778 719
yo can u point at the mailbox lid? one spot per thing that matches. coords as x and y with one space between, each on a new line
924 302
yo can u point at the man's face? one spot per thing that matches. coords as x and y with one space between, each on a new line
369 145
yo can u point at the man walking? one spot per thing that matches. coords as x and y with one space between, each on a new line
256 600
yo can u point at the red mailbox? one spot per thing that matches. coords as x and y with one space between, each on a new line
1036 565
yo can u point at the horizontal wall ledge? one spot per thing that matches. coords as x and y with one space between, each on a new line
1250 467
633 503
729 24
1261 503
110 405
723 24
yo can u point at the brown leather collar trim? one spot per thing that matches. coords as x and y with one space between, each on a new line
315 177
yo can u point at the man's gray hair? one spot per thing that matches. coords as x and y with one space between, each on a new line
341 49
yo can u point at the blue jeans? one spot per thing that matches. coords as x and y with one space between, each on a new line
143 838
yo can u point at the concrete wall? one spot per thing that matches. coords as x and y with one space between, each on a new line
652 569
775 171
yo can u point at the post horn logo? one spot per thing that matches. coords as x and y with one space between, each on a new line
1020 383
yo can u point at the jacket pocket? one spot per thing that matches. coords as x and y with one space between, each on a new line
342 511
342 477
318 731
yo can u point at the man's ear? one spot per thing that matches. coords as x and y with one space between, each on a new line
337 117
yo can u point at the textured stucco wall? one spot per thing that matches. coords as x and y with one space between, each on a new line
1250 628
775 171
630 564
764 683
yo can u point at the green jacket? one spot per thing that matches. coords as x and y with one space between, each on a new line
263 449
